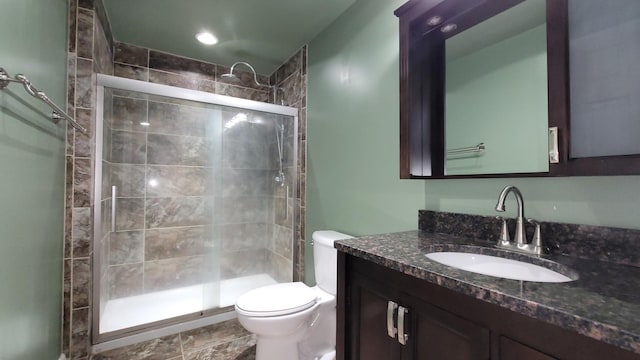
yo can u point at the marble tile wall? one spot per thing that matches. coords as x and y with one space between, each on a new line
145 64
291 81
89 53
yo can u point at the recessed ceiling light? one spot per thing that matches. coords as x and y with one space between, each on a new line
206 38
448 28
434 20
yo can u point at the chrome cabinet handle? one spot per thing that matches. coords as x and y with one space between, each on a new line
402 337
391 328
114 194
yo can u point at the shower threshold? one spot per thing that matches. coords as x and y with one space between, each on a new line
138 310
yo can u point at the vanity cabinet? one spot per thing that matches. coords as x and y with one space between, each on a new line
382 316
441 324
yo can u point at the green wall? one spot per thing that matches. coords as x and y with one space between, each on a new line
599 200
353 183
33 38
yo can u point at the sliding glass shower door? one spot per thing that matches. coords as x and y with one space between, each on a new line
193 206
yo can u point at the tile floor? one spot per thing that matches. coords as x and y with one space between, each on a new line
224 341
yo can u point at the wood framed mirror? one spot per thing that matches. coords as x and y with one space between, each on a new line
485 88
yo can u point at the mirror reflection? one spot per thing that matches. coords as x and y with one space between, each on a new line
496 94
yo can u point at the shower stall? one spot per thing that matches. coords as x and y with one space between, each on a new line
193 203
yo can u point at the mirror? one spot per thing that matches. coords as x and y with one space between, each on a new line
605 82
472 88
496 94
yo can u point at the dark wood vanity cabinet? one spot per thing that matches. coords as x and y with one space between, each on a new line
368 308
439 334
441 324
430 332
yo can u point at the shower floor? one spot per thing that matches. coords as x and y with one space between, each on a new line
142 309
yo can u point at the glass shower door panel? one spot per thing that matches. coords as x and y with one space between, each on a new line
256 218
197 205
211 292
161 251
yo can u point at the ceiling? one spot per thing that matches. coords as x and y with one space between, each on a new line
264 33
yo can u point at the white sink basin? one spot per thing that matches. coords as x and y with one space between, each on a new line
498 267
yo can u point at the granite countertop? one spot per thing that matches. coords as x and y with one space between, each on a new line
603 303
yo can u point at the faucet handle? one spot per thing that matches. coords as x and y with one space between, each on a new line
504 232
537 238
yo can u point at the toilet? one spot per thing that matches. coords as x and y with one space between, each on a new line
293 321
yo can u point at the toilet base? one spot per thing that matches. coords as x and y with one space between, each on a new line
304 335
328 356
277 349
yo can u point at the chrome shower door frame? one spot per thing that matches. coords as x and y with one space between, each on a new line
106 81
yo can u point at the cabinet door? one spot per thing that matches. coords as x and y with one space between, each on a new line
367 319
512 350
439 334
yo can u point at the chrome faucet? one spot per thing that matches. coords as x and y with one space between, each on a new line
520 236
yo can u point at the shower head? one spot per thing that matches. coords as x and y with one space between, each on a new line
233 77
230 76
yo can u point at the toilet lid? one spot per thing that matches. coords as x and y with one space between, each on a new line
279 299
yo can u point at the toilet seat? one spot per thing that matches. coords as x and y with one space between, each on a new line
276 300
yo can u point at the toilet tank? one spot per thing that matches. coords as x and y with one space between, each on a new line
325 259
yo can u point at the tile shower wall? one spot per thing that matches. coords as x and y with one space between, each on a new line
89 52
90 49
145 64
291 81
